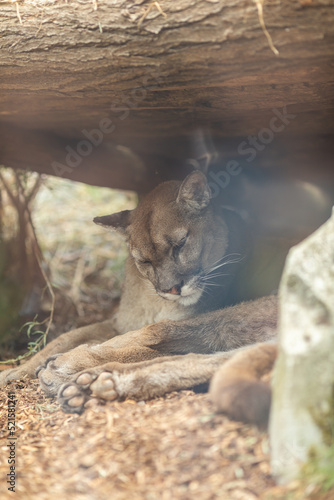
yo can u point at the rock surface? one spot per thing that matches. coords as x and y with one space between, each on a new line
302 416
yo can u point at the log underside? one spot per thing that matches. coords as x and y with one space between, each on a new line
206 65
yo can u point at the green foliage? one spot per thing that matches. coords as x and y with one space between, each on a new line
34 345
319 470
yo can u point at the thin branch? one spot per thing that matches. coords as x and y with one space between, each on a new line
13 198
143 17
34 189
39 257
18 13
259 5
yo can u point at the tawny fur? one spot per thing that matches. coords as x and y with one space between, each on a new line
237 390
175 302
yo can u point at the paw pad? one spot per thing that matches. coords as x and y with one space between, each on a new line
71 390
84 379
76 402
104 387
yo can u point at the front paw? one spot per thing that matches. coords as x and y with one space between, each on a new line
86 388
53 374
14 374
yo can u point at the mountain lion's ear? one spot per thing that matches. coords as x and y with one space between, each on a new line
194 191
118 222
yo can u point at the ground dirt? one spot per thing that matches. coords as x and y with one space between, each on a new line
169 448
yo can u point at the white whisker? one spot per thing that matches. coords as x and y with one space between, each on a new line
212 284
223 262
210 276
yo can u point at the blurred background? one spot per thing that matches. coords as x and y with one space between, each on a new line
48 239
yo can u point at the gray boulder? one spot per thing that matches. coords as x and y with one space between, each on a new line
302 414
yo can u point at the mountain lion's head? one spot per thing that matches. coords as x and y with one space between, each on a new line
176 239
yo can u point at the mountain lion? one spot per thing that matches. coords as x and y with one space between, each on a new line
176 323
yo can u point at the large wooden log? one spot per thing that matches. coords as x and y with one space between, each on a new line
67 68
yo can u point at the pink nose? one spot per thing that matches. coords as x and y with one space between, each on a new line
175 290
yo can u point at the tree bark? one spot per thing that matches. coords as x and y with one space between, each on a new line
204 64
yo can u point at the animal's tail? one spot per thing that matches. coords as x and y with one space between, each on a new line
237 390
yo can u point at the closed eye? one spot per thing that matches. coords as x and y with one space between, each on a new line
145 262
178 247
